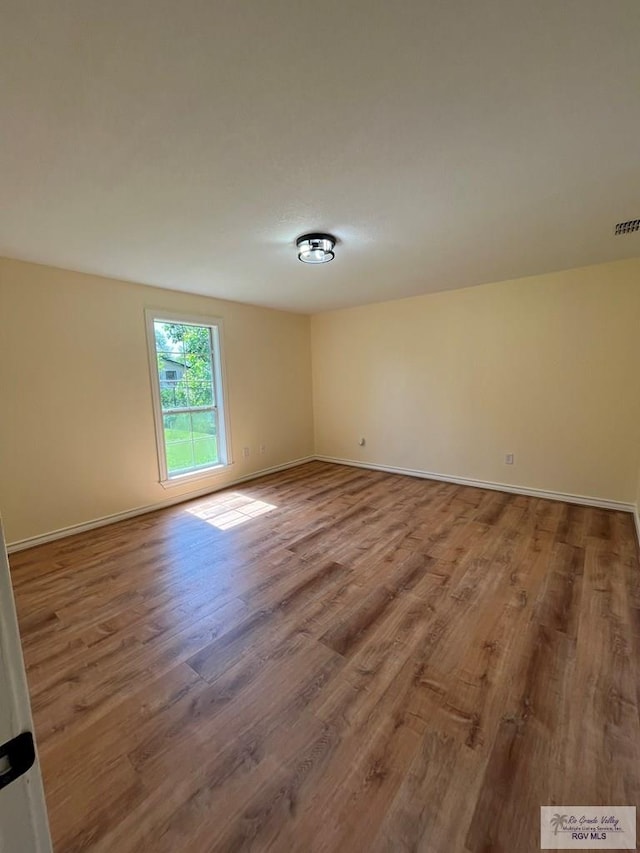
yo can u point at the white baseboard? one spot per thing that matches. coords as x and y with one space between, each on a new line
32 541
482 484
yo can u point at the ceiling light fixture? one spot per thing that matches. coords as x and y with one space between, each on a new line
315 248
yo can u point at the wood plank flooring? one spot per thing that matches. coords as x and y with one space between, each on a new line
333 659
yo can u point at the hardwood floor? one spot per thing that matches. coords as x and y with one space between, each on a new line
334 659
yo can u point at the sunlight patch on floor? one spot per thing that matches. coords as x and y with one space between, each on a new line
230 510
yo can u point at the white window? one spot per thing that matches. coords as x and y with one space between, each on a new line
189 410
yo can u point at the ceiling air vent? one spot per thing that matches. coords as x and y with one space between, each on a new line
628 227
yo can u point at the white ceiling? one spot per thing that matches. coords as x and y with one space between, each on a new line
187 144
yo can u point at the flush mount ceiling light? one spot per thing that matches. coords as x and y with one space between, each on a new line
315 248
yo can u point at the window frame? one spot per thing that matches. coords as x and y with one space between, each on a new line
215 324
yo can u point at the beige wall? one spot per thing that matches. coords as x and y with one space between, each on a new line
543 367
77 438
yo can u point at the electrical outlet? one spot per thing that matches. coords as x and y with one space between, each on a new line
362 442
508 459
263 448
246 452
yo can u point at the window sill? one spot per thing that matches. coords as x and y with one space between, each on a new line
194 476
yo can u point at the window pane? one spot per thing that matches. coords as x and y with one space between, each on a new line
197 340
198 366
184 355
174 394
166 360
203 424
200 393
167 397
168 338
177 428
179 456
205 450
